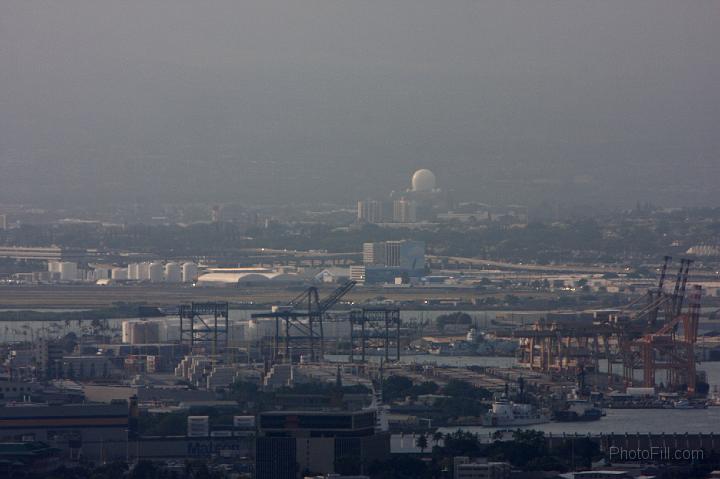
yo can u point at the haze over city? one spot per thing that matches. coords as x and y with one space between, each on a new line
284 101
359 239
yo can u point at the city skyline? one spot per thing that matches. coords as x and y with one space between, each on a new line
359 239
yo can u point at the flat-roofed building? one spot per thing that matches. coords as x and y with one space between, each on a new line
290 442
42 253
464 468
98 432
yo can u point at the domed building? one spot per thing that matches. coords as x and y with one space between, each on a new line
423 180
420 202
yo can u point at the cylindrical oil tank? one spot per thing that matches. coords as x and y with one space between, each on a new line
173 273
133 271
189 272
144 271
101 273
155 272
68 271
119 273
126 332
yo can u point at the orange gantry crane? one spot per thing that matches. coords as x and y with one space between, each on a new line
668 345
649 335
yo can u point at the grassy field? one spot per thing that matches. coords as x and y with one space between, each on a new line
90 296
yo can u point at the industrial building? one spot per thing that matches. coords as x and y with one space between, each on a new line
290 442
98 432
140 332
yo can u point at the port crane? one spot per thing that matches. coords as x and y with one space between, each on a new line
299 324
653 333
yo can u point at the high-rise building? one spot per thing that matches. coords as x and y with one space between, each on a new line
374 253
405 254
385 261
3 222
370 211
404 211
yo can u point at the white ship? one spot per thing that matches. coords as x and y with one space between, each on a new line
714 397
508 413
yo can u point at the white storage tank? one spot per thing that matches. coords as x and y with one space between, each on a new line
189 272
68 271
173 273
198 426
126 331
119 273
101 273
144 271
133 271
155 272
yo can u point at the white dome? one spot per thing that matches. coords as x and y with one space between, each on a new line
423 180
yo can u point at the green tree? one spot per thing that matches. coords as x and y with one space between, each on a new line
460 443
422 442
113 470
144 470
463 389
396 387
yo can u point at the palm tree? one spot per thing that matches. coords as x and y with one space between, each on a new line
422 442
437 437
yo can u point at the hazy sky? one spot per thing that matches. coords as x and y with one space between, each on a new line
302 100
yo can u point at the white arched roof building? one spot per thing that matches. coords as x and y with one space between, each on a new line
233 276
